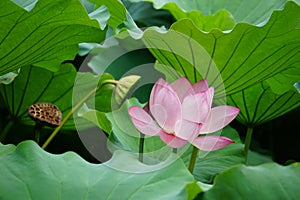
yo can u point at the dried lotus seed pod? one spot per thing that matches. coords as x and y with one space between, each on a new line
46 113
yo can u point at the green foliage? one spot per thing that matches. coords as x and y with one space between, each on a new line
267 181
125 136
45 36
117 11
123 56
259 104
254 12
120 94
192 189
98 118
68 176
122 91
221 20
248 50
35 85
245 56
98 88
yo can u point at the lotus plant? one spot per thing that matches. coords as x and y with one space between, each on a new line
180 111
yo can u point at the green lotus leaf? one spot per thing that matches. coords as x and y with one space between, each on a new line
254 12
96 117
236 60
122 56
28 172
192 190
267 181
45 36
259 104
125 136
35 84
195 188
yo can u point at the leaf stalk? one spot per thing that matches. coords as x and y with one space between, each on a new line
248 142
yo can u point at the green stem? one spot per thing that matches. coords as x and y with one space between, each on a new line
141 147
6 130
37 136
247 142
37 132
193 159
76 107
174 150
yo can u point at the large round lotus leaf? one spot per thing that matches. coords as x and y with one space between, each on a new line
28 172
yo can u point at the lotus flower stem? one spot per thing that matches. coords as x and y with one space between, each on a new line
247 142
76 107
193 159
141 147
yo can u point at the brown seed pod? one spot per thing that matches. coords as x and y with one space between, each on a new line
45 113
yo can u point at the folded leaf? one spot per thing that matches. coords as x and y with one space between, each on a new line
116 11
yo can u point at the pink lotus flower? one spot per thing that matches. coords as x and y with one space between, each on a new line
180 111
